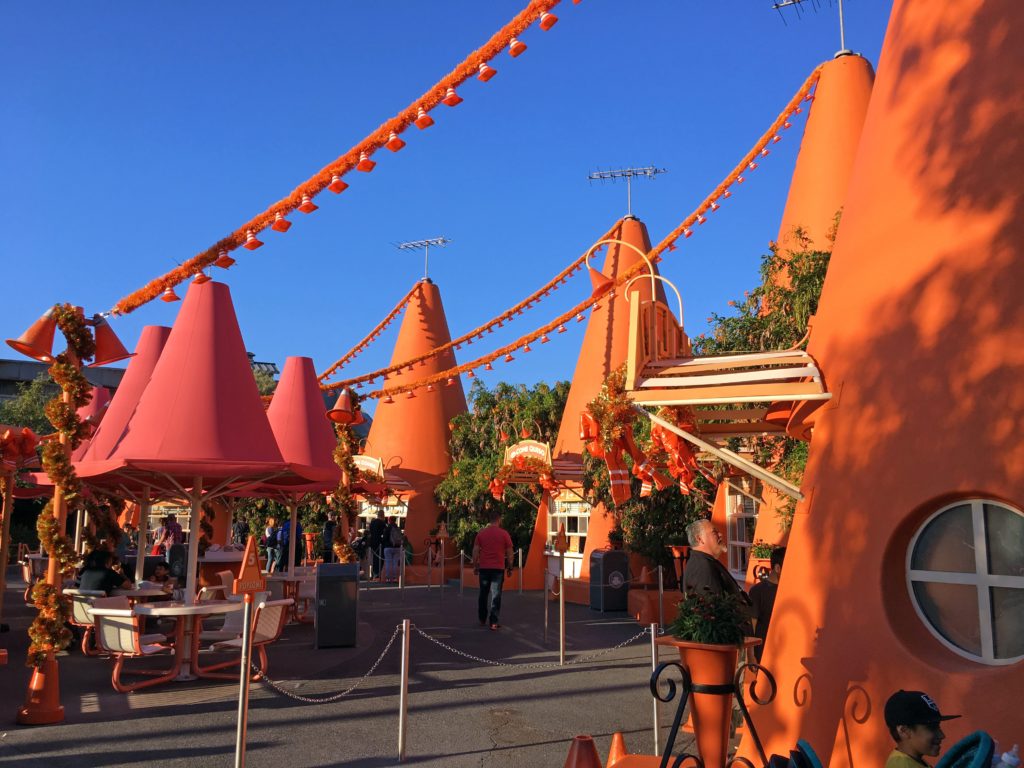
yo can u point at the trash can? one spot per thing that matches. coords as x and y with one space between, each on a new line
609 587
177 562
337 605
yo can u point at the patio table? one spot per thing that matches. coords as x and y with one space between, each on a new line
290 589
189 621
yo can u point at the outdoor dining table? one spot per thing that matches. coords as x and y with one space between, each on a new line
143 591
290 584
189 619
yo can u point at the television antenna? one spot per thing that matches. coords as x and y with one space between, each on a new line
796 6
415 245
647 172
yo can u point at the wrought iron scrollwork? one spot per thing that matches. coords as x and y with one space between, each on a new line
685 687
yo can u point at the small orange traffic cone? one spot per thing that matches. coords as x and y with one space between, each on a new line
42 700
583 754
617 751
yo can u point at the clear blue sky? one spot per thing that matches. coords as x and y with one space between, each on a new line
138 134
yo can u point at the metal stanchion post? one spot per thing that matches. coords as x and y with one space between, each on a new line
441 581
561 608
654 666
430 566
401 575
462 570
661 597
243 688
403 693
520 570
547 599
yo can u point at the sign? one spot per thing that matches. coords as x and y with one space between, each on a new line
371 465
528 449
250 578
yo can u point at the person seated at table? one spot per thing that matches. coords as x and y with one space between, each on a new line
99 573
162 576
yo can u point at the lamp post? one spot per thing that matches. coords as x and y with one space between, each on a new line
561 545
42 700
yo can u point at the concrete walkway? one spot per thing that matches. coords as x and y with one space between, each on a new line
461 712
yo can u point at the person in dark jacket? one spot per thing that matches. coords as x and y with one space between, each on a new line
704 572
375 538
97 574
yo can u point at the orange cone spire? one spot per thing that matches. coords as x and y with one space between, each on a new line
604 349
825 162
411 434
918 336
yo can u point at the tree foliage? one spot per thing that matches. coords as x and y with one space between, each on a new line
773 316
26 409
265 382
478 448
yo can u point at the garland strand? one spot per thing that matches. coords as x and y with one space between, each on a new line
48 632
469 67
371 336
668 243
467 338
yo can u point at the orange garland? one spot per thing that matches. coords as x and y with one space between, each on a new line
504 317
318 183
668 243
352 353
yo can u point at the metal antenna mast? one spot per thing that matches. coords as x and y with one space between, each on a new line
415 245
778 5
648 172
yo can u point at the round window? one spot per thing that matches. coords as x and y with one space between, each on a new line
965 573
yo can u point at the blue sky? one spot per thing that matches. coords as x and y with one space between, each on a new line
138 134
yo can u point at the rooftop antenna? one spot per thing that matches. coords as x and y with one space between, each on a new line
796 4
415 245
648 172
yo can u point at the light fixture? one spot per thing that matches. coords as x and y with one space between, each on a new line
365 164
169 295
423 120
337 186
547 20
451 98
486 72
251 241
37 341
307 205
223 260
281 224
516 47
395 142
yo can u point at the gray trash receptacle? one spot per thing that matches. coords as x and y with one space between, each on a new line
337 605
609 585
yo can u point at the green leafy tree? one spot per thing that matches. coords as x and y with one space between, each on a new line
478 449
265 382
26 408
773 316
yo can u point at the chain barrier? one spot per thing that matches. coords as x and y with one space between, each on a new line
532 665
336 696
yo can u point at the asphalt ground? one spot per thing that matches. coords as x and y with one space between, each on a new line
462 712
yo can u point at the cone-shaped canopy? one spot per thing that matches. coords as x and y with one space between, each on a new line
126 398
299 422
411 435
898 564
606 341
825 162
201 414
92 414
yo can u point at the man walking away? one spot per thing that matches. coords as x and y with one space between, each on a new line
492 559
762 595
327 539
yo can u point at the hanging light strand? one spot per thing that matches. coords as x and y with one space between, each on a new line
666 244
507 316
370 337
469 67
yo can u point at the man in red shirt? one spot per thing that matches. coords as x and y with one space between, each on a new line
492 559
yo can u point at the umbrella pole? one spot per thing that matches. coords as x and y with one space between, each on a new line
293 509
196 497
142 549
5 532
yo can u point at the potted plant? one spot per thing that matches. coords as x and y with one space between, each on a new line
761 554
709 632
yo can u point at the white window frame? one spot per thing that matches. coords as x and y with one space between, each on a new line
981 579
738 500
558 512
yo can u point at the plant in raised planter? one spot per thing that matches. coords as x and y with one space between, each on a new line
709 631
761 549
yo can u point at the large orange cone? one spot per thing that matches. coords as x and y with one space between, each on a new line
42 701
411 434
37 341
583 754
922 296
109 348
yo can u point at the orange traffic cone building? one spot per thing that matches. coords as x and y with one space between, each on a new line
816 197
604 349
583 754
895 575
410 435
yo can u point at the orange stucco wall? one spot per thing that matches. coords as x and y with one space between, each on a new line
920 335
411 435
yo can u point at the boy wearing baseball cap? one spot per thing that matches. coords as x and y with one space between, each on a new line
913 719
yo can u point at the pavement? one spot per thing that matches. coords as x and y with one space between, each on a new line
522 709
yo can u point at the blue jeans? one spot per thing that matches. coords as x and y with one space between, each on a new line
489 603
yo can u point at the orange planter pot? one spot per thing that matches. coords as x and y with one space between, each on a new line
310 541
710 713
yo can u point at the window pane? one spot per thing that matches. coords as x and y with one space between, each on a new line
1004 530
952 611
947 543
1008 622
